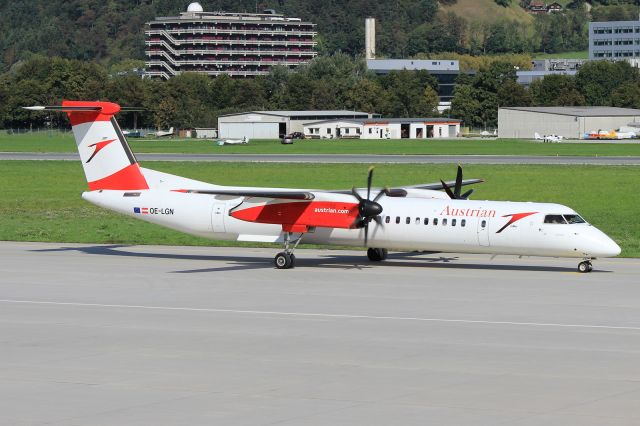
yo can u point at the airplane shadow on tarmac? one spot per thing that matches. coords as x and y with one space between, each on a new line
324 261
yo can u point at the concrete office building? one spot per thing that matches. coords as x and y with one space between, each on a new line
569 122
237 44
275 124
614 40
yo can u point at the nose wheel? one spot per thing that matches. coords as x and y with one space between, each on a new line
585 266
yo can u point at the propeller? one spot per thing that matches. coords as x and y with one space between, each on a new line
455 194
368 209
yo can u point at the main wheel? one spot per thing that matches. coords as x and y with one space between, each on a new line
584 267
283 261
376 254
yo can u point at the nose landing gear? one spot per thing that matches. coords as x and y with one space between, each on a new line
585 266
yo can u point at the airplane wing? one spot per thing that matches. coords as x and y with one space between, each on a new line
401 191
279 194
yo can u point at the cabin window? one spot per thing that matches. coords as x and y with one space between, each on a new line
574 218
328 131
463 222
444 222
397 219
483 223
453 222
417 221
426 220
387 219
408 220
554 218
435 221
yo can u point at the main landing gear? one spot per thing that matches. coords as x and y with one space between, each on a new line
377 254
585 266
286 259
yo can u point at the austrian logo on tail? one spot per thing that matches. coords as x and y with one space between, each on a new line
514 218
98 147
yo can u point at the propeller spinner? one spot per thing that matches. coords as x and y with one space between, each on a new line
368 209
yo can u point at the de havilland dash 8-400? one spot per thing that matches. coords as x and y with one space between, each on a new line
430 217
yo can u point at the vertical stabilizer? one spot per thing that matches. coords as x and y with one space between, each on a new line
106 157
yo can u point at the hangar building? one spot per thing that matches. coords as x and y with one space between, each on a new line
569 122
275 124
384 128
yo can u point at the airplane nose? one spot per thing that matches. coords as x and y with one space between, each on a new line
612 249
606 247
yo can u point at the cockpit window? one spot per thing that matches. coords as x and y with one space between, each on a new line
554 218
574 218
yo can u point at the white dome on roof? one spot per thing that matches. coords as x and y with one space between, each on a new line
195 7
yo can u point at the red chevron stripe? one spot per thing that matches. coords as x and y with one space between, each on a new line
128 178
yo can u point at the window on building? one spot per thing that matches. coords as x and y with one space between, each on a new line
328 131
370 130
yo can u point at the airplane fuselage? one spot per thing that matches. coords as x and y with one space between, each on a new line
466 226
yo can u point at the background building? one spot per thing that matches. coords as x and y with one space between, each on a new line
614 40
569 122
444 70
275 124
238 44
384 128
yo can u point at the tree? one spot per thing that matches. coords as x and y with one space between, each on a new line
597 80
466 106
512 94
627 95
556 90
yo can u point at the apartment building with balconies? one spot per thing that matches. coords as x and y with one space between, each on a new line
237 44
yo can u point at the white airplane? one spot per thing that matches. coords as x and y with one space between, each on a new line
418 217
163 133
243 141
548 138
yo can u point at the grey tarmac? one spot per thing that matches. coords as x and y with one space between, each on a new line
139 335
350 158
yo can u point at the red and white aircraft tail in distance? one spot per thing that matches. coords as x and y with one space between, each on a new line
417 217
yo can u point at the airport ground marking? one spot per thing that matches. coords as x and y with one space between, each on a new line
322 315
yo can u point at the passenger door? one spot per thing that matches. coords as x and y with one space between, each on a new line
483 232
217 217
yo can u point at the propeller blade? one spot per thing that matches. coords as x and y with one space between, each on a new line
380 194
447 190
366 234
355 194
458 187
466 194
369 180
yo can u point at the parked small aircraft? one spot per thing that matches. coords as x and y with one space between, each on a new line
243 141
609 134
414 217
163 133
548 138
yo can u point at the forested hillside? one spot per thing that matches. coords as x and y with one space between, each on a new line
111 31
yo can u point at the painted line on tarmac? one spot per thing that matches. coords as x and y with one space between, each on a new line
320 315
